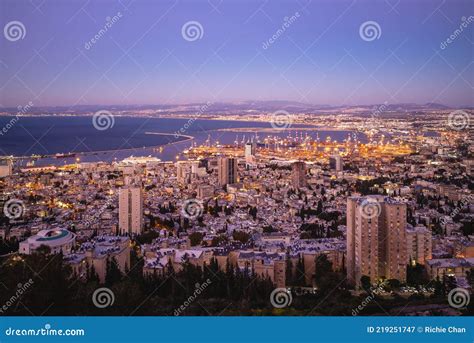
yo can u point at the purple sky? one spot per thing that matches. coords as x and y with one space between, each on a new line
320 57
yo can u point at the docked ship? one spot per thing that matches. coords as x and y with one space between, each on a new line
65 155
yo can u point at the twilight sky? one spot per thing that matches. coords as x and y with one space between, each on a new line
320 57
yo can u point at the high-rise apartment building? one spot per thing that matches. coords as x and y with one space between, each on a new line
298 174
376 238
335 163
131 210
419 244
249 152
227 170
183 172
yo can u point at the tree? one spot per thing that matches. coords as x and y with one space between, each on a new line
322 268
216 241
416 275
289 271
468 228
326 279
196 238
269 229
300 276
365 283
113 273
241 236
91 274
319 210
43 250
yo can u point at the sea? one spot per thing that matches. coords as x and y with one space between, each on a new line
83 138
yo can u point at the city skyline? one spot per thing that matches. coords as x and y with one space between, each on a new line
238 158
121 53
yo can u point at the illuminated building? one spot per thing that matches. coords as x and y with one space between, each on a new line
57 240
418 244
376 239
298 174
131 210
227 170
249 152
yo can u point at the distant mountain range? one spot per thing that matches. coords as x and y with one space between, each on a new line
241 107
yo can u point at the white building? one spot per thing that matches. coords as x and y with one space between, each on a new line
6 168
249 152
130 210
419 244
58 240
